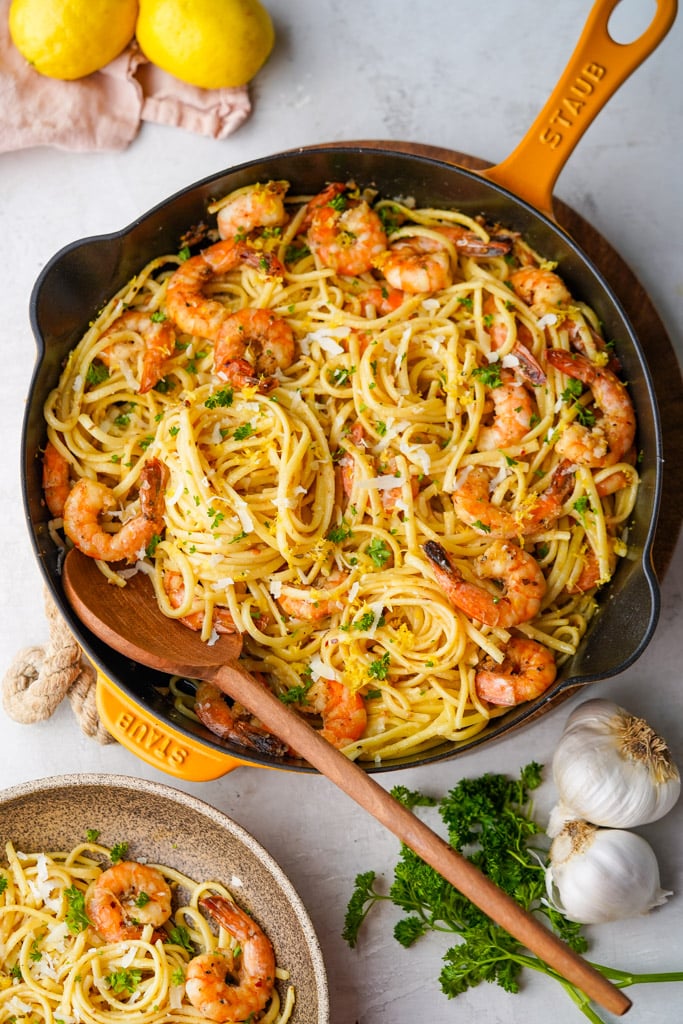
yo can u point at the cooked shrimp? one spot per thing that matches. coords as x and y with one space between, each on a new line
421 263
472 502
591 574
56 483
344 233
88 499
584 339
540 289
313 604
518 573
513 410
526 672
150 341
528 366
615 481
469 243
187 305
612 435
343 712
265 339
381 301
230 723
232 984
222 622
417 264
125 898
256 206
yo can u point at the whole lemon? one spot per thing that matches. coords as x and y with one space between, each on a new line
71 38
210 43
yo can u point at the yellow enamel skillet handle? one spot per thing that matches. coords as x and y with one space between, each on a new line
157 743
596 69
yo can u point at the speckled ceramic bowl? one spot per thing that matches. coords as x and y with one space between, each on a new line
170 827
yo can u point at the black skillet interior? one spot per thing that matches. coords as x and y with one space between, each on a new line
81 277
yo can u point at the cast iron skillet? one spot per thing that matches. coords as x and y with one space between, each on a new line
80 278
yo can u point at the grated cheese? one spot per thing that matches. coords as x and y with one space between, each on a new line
380 483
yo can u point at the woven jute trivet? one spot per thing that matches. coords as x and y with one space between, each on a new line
39 678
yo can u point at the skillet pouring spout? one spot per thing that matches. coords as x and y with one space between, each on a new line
129 619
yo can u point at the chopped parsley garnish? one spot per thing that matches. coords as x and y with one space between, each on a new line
184 253
293 253
158 316
296 694
220 399
216 517
76 917
3 883
582 505
124 980
118 852
243 432
390 218
92 834
478 525
338 203
338 534
586 417
142 899
366 620
341 375
573 390
180 936
488 375
379 668
378 552
96 373
34 952
152 546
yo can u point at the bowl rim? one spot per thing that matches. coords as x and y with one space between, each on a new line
78 780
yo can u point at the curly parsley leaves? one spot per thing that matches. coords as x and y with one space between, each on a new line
488 819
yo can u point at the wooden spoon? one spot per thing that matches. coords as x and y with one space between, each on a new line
129 620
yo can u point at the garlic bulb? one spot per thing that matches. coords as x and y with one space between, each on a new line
611 768
602 874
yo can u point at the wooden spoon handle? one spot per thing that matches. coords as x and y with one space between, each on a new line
362 788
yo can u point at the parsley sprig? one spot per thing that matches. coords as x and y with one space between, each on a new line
489 820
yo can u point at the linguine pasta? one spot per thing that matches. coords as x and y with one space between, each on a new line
55 967
298 500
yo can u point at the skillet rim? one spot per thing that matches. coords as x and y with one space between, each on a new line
512 719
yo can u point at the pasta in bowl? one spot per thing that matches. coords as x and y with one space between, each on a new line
382 441
104 919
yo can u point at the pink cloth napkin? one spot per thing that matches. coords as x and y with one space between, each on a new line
105 109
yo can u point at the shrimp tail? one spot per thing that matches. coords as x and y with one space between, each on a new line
438 556
222 720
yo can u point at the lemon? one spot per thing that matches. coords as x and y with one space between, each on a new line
71 38
210 43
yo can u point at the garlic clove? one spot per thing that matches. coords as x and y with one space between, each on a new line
559 816
612 769
597 874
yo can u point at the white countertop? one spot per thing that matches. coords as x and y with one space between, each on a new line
468 77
